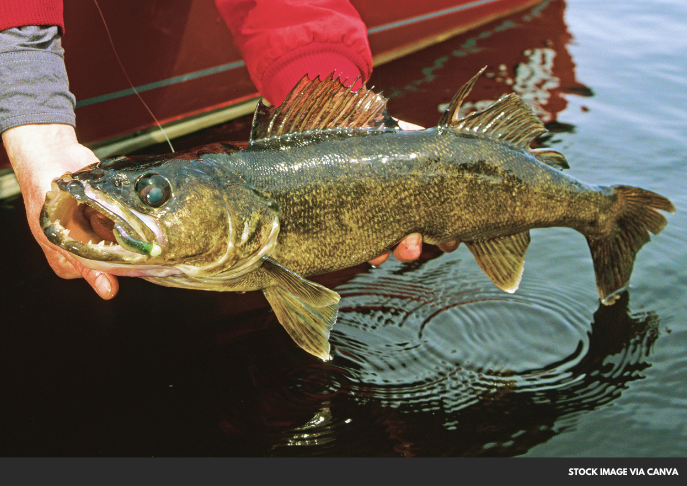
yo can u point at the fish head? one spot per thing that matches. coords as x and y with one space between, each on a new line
160 216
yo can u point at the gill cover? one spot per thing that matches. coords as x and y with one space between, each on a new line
252 227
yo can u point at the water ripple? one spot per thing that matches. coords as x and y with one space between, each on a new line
427 355
447 345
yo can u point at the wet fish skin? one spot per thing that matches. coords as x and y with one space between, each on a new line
308 196
359 196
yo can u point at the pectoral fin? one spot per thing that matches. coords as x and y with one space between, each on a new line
502 259
307 310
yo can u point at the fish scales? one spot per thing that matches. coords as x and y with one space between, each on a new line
328 182
344 201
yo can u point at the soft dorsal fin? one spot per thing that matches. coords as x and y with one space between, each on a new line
450 116
552 158
509 119
319 105
502 259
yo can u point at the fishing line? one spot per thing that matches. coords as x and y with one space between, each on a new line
107 30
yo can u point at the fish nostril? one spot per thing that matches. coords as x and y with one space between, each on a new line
76 189
90 174
108 163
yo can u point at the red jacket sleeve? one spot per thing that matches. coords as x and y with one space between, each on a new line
281 40
18 13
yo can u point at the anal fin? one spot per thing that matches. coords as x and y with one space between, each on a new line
307 310
502 259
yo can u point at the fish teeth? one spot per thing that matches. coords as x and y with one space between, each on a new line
101 243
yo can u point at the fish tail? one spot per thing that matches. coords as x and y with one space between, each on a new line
614 253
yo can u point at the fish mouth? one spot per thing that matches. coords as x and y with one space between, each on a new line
95 227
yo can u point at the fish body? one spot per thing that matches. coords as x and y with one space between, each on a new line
328 181
345 201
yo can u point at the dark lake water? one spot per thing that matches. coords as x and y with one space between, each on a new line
430 358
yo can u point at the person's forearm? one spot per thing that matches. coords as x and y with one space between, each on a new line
34 87
282 41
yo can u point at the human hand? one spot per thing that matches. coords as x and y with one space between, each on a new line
410 247
40 153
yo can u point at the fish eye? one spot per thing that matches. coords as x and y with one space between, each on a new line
153 189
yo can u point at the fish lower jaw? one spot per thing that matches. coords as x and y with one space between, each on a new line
129 269
94 249
99 247
110 256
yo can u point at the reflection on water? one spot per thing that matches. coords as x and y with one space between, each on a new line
535 81
526 53
435 365
532 79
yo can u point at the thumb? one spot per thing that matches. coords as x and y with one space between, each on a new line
104 284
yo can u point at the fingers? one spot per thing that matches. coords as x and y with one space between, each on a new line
449 246
62 267
38 154
409 126
104 284
380 259
409 248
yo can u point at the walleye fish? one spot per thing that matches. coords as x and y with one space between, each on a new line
328 181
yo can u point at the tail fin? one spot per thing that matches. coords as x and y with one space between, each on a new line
614 255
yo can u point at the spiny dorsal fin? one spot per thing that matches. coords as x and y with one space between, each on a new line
307 310
319 105
450 116
502 259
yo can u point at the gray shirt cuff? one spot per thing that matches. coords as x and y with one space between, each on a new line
33 79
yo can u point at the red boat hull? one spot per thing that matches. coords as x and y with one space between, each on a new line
181 58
